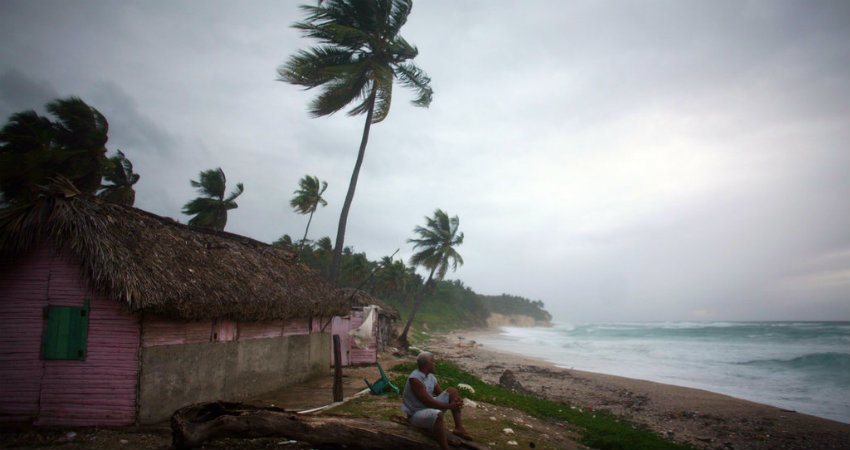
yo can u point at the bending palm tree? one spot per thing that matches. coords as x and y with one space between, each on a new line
34 149
119 173
362 54
437 241
210 210
307 199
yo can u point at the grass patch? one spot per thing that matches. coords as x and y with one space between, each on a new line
600 430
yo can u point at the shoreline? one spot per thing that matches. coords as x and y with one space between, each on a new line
697 417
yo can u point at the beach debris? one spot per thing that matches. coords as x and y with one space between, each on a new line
466 387
469 403
124 441
508 381
493 418
512 443
508 430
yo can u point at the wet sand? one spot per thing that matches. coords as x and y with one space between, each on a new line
693 416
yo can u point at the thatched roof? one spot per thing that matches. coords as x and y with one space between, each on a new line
357 297
154 264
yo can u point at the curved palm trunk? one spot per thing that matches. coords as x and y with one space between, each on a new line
343 217
403 338
304 239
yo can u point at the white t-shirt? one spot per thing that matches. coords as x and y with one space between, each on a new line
409 403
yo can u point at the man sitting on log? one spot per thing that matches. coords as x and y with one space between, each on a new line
425 402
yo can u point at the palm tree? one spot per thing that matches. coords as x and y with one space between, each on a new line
119 172
210 210
34 149
437 241
307 199
284 242
360 57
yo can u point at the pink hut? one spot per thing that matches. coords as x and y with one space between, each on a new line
366 329
114 316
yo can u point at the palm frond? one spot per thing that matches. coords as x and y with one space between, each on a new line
313 67
400 11
211 183
79 125
240 188
384 95
338 94
415 78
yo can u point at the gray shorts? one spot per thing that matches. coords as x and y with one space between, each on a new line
425 418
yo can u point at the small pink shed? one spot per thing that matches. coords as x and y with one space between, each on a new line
361 343
115 316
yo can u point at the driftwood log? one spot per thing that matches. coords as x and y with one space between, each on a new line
195 424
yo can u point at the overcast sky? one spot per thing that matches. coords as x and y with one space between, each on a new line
634 160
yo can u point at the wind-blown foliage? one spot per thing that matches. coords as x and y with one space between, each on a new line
34 149
210 210
119 173
359 57
437 241
307 199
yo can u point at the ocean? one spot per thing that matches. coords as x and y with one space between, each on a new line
801 366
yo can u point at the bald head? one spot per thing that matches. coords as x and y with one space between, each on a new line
424 358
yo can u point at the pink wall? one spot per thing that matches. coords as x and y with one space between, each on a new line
351 354
157 330
101 390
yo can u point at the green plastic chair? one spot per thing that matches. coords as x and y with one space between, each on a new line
383 385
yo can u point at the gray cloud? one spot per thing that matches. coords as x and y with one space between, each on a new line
18 92
629 161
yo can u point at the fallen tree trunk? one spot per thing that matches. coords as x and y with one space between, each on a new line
195 424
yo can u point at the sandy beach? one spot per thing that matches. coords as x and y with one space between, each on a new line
693 416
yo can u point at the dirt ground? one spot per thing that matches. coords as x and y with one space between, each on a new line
699 418
485 422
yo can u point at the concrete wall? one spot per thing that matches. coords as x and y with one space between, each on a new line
173 376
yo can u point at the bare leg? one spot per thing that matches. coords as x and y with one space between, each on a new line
440 432
456 413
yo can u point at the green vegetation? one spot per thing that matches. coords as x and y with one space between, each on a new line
118 171
360 56
210 209
448 305
511 304
598 429
35 152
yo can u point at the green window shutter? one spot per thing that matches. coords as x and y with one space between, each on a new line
66 332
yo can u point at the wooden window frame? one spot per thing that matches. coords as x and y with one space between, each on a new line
66 332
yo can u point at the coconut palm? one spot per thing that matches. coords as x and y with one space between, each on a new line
307 199
437 241
210 210
360 55
284 242
118 171
34 149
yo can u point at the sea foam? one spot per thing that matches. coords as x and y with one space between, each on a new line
802 366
